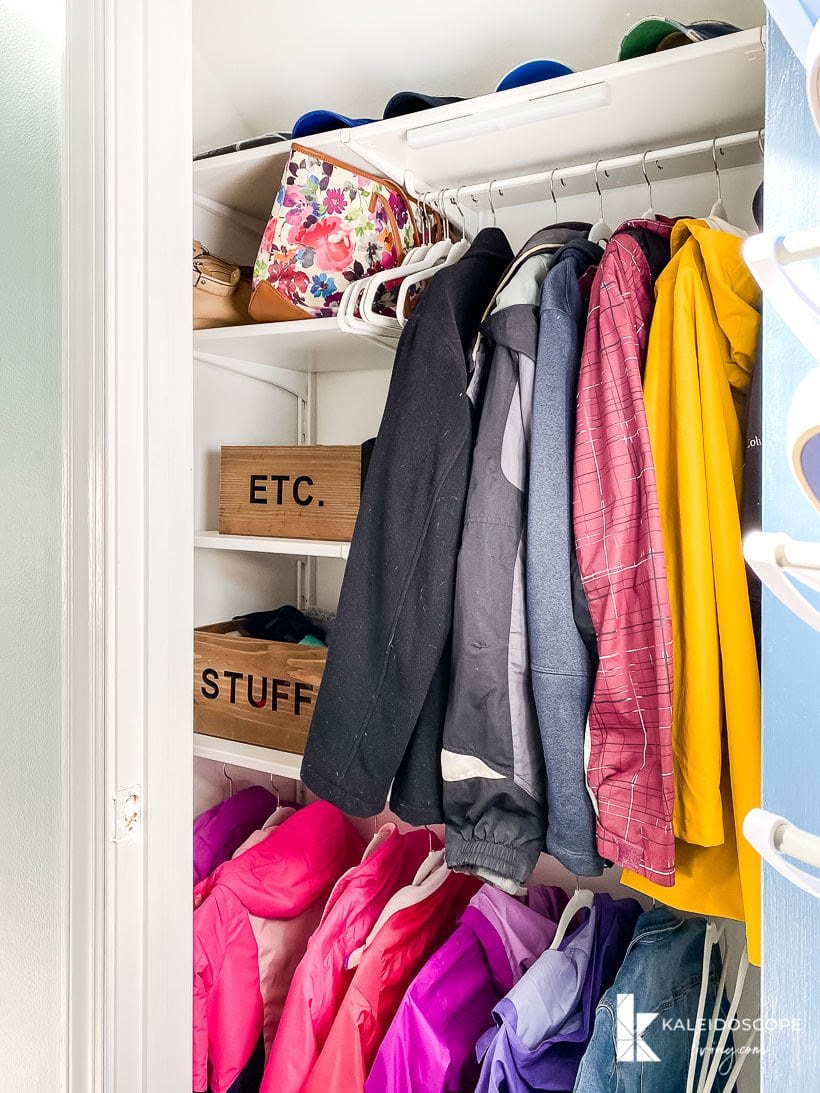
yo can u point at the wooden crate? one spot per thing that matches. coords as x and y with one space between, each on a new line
300 492
259 692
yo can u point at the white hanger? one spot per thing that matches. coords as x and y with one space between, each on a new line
351 299
552 193
457 250
581 899
650 213
718 209
434 256
712 1058
600 231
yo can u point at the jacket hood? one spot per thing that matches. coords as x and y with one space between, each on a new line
734 292
294 866
511 318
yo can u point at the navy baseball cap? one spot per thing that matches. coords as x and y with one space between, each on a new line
658 33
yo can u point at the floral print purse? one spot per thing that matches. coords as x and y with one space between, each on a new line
330 224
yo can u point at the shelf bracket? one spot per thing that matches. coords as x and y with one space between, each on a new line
285 379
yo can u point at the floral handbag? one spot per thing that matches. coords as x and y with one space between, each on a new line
330 224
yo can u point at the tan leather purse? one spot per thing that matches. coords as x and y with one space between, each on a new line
221 292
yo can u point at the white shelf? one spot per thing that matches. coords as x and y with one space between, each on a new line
702 90
255 544
282 763
310 345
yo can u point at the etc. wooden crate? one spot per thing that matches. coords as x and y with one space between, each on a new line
299 492
259 692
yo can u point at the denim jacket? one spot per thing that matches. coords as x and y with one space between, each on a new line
661 978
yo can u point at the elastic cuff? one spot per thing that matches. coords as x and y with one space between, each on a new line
485 858
645 860
338 796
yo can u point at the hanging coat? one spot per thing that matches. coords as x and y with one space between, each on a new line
702 351
620 555
563 649
546 1021
492 759
380 709
252 920
220 830
322 978
415 922
430 1045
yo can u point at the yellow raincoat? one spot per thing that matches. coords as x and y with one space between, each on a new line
701 354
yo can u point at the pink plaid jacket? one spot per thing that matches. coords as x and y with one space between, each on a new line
621 560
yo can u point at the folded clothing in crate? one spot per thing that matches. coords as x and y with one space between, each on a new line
286 623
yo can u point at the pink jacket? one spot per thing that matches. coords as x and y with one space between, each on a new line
415 921
321 980
252 920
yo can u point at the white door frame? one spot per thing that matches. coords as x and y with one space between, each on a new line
128 404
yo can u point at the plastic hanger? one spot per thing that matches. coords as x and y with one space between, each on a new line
437 252
352 298
718 209
434 256
712 1056
552 194
456 251
581 899
650 213
600 232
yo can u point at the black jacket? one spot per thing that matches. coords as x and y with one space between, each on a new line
380 710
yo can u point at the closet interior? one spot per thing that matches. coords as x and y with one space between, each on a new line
676 132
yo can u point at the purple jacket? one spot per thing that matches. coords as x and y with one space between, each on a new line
431 1043
545 1022
222 829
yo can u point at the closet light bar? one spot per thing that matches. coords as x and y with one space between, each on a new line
557 104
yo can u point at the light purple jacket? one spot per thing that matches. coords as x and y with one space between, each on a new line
222 829
431 1043
545 1022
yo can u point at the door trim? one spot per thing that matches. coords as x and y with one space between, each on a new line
128 544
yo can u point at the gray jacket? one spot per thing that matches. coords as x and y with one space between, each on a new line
492 758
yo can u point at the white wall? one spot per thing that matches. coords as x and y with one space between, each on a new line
31 885
258 65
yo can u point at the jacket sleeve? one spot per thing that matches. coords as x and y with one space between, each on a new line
492 760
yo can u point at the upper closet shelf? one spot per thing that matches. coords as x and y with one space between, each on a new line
310 345
670 98
236 754
255 544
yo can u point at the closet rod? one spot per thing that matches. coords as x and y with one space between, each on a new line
652 159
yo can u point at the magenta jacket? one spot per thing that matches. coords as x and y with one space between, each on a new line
252 920
431 1044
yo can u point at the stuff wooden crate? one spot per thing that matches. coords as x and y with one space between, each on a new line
299 492
259 692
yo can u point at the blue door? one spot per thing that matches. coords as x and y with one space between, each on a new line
791 648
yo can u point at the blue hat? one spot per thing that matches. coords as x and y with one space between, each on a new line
409 102
324 121
533 72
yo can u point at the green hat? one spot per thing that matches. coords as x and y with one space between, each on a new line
651 35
